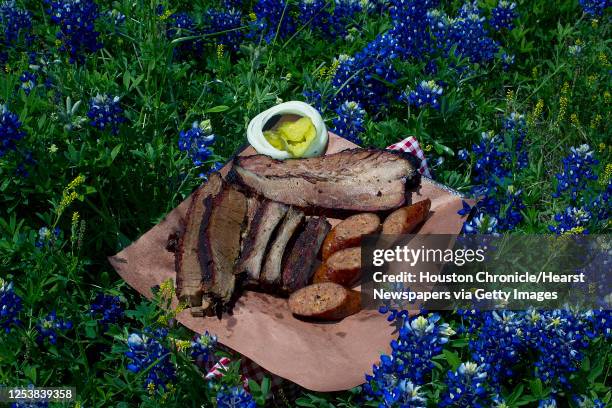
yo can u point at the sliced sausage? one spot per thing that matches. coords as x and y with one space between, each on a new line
325 301
343 267
406 219
348 233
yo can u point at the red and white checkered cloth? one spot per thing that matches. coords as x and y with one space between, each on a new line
411 145
253 371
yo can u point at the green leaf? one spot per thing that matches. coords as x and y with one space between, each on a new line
115 151
536 388
452 358
217 109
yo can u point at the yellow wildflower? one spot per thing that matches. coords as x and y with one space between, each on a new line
252 16
182 345
595 121
166 289
603 59
591 79
166 15
58 42
537 112
607 96
574 119
332 70
509 97
220 49
595 23
534 72
575 230
53 148
151 388
602 147
428 148
607 174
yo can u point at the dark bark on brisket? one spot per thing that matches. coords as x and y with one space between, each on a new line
355 179
300 265
189 270
220 245
265 221
271 273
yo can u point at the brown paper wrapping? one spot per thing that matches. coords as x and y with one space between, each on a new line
320 357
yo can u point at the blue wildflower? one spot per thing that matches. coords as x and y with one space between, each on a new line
203 348
420 339
28 81
217 21
216 166
481 224
116 17
183 25
315 15
466 387
146 352
507 61
15 23
578 170
196 142
582 401
235 397
105 113
405 395
573 219
274 19
503 15
47 236
463 155
427 93
349 123
106 309
76 20
49 327
595 7
10 306
344 12
548 403
10 130
410 23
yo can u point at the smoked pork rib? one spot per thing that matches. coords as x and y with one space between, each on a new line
355 179
271 272
265 220
189 271
220 246
299 268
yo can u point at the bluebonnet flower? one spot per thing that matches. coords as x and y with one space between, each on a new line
466 387
548 403
410 23
10 130
203 348
405 395
10 306
217 21
76 20
314 13
49 327
573 219
595 7
183 25
216 166
516 127
146 350
463 155
582 401
420 339
503 15
364 77
481 224
47 236
235 397
507 61
105 113
28 81
116 17
427 93
349 123
344 12
15 23
196 142
274 18
578 170
107 309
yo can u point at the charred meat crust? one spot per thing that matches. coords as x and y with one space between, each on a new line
271 273
353 180
266 220
299 268
220 249
189 270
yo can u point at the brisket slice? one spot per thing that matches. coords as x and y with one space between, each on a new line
220 246
300 265
189 271
355 179
271 272
265 221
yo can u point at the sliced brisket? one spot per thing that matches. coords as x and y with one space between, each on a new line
299 268
220 245
265 220
189 271
271 272
356 179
